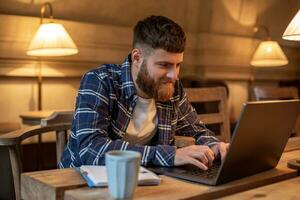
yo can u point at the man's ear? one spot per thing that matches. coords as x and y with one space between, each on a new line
136 56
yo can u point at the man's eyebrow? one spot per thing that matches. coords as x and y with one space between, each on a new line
168 63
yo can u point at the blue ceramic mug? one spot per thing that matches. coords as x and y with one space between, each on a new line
122 168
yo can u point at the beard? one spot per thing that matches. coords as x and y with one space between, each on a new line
161 90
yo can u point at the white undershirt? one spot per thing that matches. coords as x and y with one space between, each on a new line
143 124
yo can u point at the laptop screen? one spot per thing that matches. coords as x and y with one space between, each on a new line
259 138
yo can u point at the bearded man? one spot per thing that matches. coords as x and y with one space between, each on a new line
140 106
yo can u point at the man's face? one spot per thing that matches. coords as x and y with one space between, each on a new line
157 74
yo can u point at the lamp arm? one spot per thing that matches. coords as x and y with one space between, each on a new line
262 27
43 10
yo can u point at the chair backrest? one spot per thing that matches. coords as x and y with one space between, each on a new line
60 122
278 93
275 93
220 116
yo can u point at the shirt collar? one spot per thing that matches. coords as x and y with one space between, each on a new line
127 82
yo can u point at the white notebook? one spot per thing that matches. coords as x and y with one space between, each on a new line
95 176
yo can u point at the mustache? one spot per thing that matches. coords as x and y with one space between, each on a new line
167 80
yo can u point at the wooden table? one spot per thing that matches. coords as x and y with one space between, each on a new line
34 117
289 189
68 184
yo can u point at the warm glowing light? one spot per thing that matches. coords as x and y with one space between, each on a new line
269 54
292 32
52 39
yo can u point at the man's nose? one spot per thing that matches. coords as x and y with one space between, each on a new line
173 74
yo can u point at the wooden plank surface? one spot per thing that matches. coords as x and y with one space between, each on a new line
289 189
49 184
34 117
293 144
172 188
52 184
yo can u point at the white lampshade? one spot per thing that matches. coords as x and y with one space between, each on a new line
52 39
269 54
292 32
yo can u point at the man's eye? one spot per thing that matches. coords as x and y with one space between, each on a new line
164 65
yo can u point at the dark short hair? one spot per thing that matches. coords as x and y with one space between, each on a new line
159 32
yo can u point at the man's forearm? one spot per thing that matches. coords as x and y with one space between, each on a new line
94 152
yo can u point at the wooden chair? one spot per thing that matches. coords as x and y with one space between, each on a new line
220 117
6 183
275 93
278 93
60 122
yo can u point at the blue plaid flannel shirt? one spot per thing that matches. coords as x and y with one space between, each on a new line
104 107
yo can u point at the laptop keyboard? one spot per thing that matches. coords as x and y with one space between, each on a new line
208 174
191 172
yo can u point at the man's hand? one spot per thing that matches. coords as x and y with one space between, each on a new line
200 155
221 148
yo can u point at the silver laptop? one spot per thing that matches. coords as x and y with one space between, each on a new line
258 141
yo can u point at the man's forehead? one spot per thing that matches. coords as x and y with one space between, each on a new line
161 55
